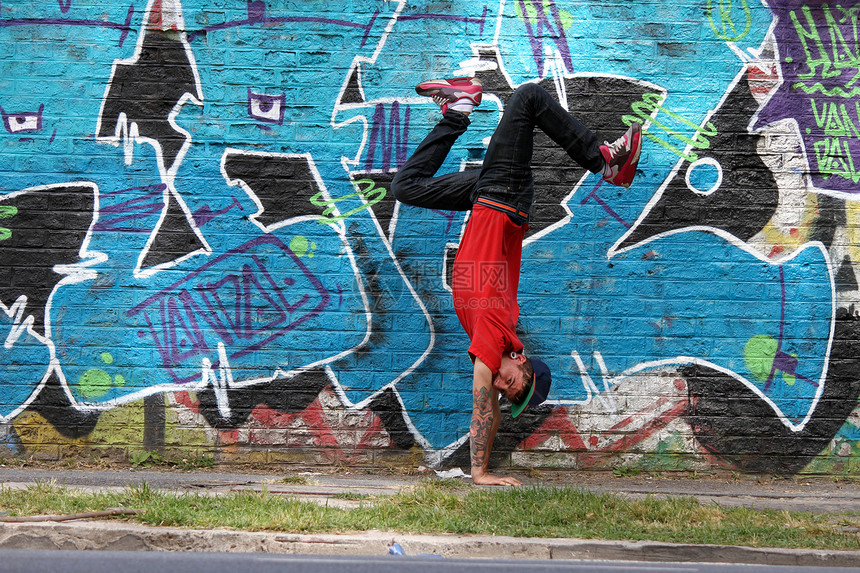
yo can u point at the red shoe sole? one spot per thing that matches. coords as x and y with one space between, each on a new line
465 89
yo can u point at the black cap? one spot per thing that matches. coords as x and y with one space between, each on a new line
539 390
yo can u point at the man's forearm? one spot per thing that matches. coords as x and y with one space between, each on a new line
486 416
482 427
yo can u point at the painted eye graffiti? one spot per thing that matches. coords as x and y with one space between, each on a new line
22 122
266 108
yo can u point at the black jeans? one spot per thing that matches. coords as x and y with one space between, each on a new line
506 174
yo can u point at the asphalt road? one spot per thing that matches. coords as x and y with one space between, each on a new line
182 562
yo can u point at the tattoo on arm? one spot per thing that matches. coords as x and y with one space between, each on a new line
481 427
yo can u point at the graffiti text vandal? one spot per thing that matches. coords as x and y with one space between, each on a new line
246 311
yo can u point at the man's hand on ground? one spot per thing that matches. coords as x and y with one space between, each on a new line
485 422
489 479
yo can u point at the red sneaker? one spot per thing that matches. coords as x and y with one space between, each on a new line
463 93
622 156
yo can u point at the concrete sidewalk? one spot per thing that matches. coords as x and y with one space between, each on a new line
813 494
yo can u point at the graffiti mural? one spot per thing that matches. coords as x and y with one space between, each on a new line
195 216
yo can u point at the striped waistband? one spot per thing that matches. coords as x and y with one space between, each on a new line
501 206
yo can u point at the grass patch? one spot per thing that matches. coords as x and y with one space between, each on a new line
352 496
437 506
294 480
447 484
148 459
625 471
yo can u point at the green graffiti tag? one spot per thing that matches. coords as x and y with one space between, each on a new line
652 102
728 13
833 157
7 212
760 353
300 246
834 120
823 62
528 11
833 154
95 382
371 195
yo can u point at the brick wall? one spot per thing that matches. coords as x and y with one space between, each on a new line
200 255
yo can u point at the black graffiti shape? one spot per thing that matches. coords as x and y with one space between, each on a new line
147 90
390 411
734 424
831 216
492 78
143 93
846 279
511 432
286 395
745 200
43 227
597 101
53 404
352 92
174 238
283 185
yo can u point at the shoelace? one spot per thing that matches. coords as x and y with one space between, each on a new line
439 100
617 146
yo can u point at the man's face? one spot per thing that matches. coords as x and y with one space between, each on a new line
509 379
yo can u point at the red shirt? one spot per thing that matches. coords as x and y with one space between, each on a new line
485 279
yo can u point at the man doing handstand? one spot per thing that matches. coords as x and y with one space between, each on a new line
487 266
